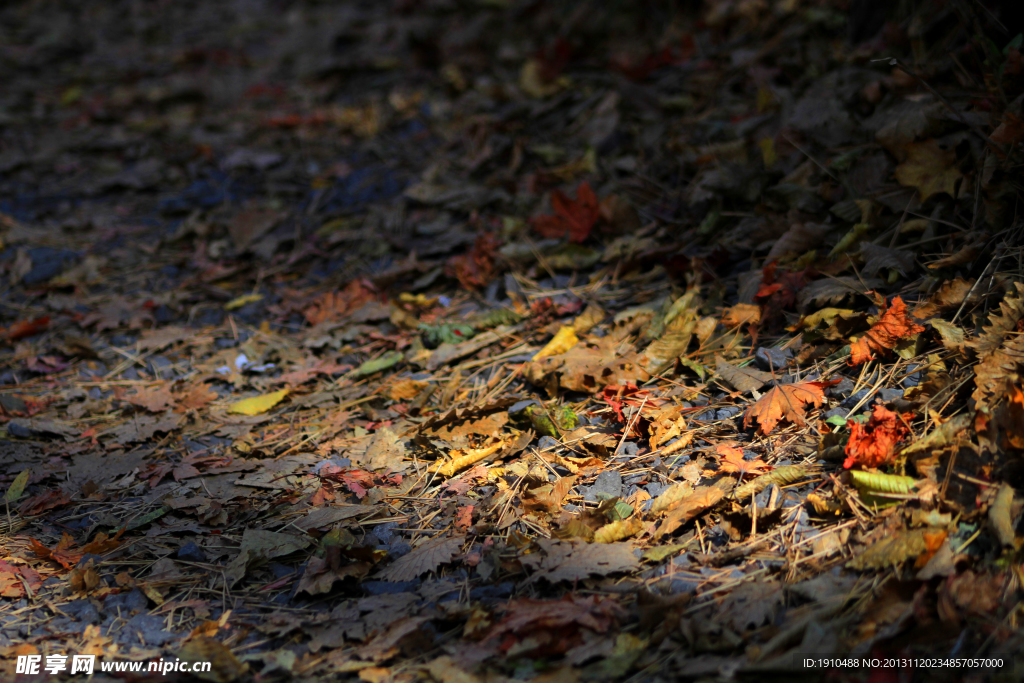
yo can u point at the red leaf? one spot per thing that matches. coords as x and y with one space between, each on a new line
575 218
872 444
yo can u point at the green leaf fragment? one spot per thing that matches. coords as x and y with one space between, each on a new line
17 487
389 359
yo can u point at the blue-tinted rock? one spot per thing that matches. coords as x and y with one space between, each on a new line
190 552
768 359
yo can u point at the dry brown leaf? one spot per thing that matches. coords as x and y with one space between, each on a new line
786 401
568 561
671 497
548 498
224 666
741 314
1000 516
741 379
949 296
897 548
697 502
424 558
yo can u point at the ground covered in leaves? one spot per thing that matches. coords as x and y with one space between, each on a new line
479 341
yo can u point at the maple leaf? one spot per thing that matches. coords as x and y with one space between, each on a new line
573 218
732 461
872 444
786 401
894 325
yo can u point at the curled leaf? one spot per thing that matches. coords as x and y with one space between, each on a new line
616 531
781 476
563 340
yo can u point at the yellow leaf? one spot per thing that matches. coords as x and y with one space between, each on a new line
930 169
258 404
463 459
616 531
563 340
240 301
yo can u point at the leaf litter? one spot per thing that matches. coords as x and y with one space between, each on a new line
402 342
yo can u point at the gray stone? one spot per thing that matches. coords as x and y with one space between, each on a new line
607 485
768 359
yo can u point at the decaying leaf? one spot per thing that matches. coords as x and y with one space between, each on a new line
1000 347
893 326
259 546
780 476
424 558
225 667
785 401
742 379
897 548
587 367
1000 516
671 497
570 561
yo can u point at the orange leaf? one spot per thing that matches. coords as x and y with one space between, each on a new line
872 444
787 402
732 461
575 218
27 328
883 335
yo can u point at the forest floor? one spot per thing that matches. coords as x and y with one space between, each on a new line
498 340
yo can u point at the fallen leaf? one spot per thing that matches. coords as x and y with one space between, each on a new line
563 340
873 444
930 169
741 314
786 401
893 326
733 461
617 531
686 509
224 666
259 546
571 561
17 487
742 379
258 404
463 459
575 218
424 558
